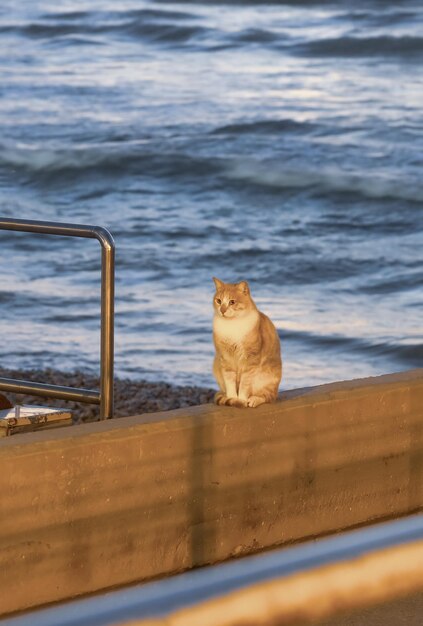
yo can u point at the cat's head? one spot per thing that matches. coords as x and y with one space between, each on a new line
232 300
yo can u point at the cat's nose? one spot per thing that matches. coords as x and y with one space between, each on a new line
223 309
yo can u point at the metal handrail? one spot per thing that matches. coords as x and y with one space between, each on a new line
105 396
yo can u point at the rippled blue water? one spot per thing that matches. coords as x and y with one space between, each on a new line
279 142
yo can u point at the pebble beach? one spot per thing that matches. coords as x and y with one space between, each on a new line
132 397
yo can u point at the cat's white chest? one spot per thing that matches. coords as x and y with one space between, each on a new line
233 330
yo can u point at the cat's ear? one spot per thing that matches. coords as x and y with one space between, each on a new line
219 284
243 286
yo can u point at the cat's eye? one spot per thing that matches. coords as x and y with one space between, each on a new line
231 301
218 301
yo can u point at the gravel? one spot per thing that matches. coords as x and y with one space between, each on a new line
131 397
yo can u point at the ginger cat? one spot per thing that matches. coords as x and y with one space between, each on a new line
247 365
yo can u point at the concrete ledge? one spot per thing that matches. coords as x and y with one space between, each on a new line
105 504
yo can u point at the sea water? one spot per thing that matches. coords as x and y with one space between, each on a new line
275 142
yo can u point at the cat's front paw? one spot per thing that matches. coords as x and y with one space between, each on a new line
220 398
236 402
254 401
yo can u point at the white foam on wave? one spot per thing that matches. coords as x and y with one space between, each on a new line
326 179
37 158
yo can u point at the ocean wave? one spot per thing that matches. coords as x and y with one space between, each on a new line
294 3
361 224
160 26
325 180
379 18
179 27
400 282
407 354
256 35
158 14
6 297
264 127
148 26
165 33
106 160
289 264
37 159
112 159
386 46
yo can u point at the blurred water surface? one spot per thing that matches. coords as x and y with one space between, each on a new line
278 142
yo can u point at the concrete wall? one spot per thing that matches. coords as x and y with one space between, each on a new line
109 503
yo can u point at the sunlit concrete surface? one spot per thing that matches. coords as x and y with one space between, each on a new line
406 611
106 504
366 567
368 581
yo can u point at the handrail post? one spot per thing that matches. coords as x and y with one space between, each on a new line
105 397
107 329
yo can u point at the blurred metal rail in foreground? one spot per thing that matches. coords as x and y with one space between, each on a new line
296 585
105 396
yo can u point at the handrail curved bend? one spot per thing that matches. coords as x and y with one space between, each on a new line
105 397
